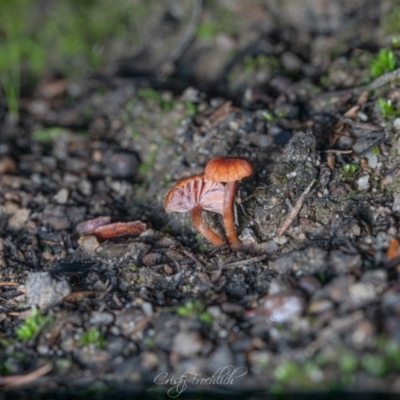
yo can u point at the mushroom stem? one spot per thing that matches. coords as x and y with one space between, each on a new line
229 197
196 213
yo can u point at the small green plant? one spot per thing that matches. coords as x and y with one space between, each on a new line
46 135
268 116
93 336
28 329
194 307
387 109
384 62
350 170
375 151
153 96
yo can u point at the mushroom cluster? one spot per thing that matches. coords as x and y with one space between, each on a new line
207 193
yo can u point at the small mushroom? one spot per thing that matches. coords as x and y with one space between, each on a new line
229 170
194 195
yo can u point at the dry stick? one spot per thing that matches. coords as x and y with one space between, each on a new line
186 39
244 262
13 381
376 84
357 124
337 151
9 284
295 210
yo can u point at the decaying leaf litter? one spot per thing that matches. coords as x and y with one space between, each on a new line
310 302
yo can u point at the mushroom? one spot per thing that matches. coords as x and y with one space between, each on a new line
196 194
229 170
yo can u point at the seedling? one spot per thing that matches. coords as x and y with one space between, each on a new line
29 328
93 336
375 151
387 108
350 170
195 307
384 62
46 135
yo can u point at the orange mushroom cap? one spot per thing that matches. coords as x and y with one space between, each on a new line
227 169
189 192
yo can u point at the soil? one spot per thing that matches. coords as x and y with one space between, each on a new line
310 301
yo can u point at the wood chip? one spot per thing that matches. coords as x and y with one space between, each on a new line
76 297
393 250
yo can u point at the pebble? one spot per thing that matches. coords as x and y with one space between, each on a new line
363 182
362 292
7 165
282 307
134 250
89 244
45 291
61 196
220 358
101 318
187 344
342 263
123 165
396 123
396 202
19 219
248 238
310 261
309 284
318 306
372 160
267 247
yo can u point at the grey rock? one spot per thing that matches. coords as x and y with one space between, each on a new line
187 344
220 358
101 318
310 261
342 263
134 250
45 291
281 307
123 165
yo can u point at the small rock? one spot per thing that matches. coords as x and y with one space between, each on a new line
281 307
363 334
220 358
85 187
396 123
123 165
248 238
89 244
18 220
280 240
44 290
342 263
372 160
310 261
309 284
101 318
362 292
396 202
135 250
338 289
187 344
152 259
318 306
267 247
62 196
7 165
363 182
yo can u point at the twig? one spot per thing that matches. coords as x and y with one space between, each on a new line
9 284
295 210
244 262
337 151
376 84
10 382
357 124
187 38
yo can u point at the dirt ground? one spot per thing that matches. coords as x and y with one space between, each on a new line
309 304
